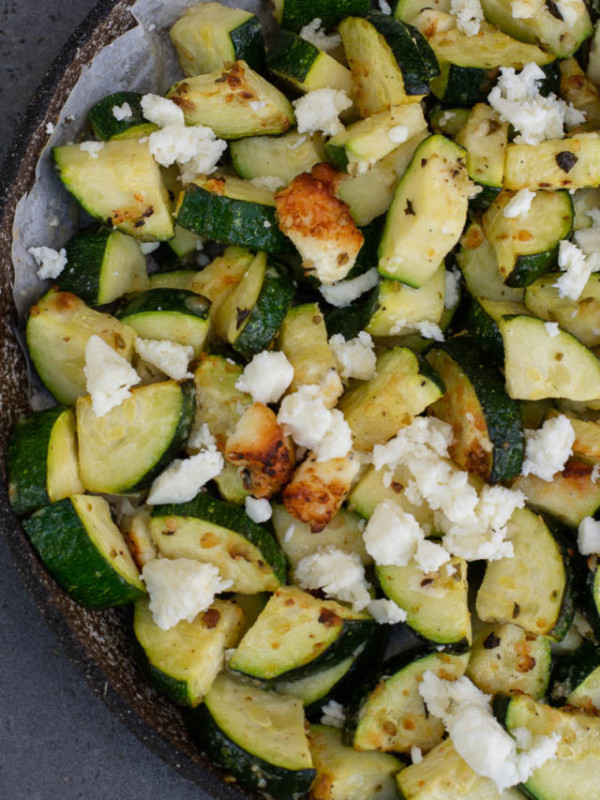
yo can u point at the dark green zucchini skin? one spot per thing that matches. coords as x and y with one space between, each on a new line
588 588
104 123
156 300
571 670
26 458
415 58
564 538
485 331
249 43
528 269
232 517
485 198
298 13
85 254
251 771
367 255
466 86
292 57
231 221
352 319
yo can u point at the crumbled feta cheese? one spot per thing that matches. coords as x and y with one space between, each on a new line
477 735
195 148
398 134
577 270
109 376
416 755
122 112
355 358
149 247
315 34
333 714
258 509
548 449
595 473
427 329
423 434
160 111
452 289
270 182
446 117
343 293
180 589
340 575
519 205
266 223
552 329
50 128
50 262
169 357
319 110
392 535
525 9
570 11
430 556
384 6
266 377
93 148
201 439
386 612
469 15
516 97
304 416
337 442
182 480
588 536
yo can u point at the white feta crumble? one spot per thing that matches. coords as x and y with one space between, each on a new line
149 247
319 111
469 15
50 262
161 111
169 357
516 97
334 714
195 148
386 612
477 735
384 7
577 270
446 117
588 536
304 416
266 223
548 449
337 442
50 128
270 182
398 134
182 479
180 589
109 376
430 556
416 755
392 535
355 358
452 295
266 377
595 473
426 328
552 329
315 34
93 148
340 575
343 293
201 439
519 205
258 509
122 112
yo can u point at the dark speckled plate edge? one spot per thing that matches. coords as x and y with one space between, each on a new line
99 644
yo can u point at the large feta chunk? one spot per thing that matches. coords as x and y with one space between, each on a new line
169 357
548 449
588 536
355 357
314 33
577 268
161 111
109 376
182 479
266 377
392 535
319 110
386 612
195 148
258 509
340 575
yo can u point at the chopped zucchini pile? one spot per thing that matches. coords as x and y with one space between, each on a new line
326 367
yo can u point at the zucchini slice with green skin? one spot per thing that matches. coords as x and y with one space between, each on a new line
479 266
106 126
58 328
505 658
133 442
371 489
222 101
305 67
488 432
350 320
232 211
85 552
538 166
573 773
218 403
316 686
177 315
436 603
209 35
588 583
344 774
577 317
427 214
576 679
282 157
184 661
295 14
389 714
258 737
297 635
483 319
403 386
484 137
527 247
121 185
222 534
443 774
41 460
102 266
533 589
175 279
539 365
178 250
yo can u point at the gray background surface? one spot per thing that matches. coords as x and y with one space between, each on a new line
57 740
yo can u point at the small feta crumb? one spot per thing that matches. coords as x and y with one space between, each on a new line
169 357
319 110
266 223
426 328
149 247
384 6
577 270
195 148
315 34
50 128
333 714
398 134
519 205
201 439
258 509
122 112
109 376
552 329
469 15
355 358
266 377
160 111
392 535
430 556
93 148
386 612
588 536
343 293
416 755
340 575
50 262
180 589
182 480
595 473
548 449
270 182
452 295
